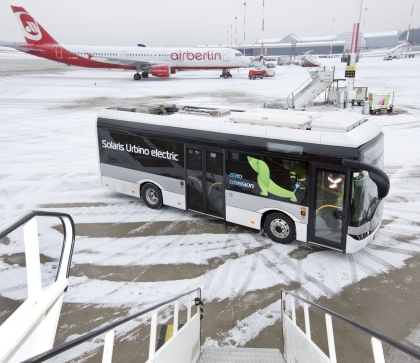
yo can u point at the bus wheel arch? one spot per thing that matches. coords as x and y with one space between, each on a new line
279 227
151 195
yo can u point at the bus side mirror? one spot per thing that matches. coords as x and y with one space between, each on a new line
377 175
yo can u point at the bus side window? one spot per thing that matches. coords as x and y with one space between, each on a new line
114 148
240 176
291 175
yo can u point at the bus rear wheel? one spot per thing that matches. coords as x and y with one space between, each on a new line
151 196
280 228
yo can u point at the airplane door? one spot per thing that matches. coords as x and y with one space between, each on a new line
123 54
59 52
225 56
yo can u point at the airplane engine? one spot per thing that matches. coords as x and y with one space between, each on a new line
161 71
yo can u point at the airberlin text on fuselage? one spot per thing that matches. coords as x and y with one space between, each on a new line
180 56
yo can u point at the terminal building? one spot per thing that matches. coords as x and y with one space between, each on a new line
294 45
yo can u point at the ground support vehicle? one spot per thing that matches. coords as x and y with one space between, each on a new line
257 73
295 176
345 56
379 102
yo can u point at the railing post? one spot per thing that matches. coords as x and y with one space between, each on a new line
330 337
176 317
198 306
293 309
108 346
283 306
189 307
33 264
153 326
307 322
378 353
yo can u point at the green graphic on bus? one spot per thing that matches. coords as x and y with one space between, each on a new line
265 183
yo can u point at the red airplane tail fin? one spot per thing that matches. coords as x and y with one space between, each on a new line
32 31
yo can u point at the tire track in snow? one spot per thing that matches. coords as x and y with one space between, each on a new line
324 288
353 269
377 259
277 270
361 265
115 239
394 250
250 275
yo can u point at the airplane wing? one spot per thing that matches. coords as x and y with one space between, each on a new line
127 62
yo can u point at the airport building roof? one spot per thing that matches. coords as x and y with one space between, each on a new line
293 37
382 34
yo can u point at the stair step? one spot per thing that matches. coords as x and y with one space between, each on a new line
240 355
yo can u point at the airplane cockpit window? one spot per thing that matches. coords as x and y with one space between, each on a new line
238 54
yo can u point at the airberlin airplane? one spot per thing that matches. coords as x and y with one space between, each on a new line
159 62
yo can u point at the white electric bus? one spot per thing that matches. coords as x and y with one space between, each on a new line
311 177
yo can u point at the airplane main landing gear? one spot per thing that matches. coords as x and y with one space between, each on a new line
145 75
226 73
137 77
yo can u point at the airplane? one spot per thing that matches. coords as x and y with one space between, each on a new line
159 62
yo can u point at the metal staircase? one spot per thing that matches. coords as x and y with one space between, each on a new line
320 80
32 327
28 335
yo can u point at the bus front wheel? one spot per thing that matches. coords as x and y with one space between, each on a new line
151 196
280 228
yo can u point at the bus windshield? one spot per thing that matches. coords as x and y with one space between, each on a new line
365 193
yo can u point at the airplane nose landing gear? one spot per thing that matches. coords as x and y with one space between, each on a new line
137 77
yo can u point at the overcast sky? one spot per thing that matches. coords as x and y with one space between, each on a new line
192 22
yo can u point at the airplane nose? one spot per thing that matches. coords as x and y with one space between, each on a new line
247 61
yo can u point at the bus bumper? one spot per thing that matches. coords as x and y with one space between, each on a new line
354 245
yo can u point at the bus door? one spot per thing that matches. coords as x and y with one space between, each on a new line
205 188
329 207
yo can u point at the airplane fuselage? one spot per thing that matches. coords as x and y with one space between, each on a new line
177 58
159 62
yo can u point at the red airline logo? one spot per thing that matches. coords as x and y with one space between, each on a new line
209 55
29 26
90 56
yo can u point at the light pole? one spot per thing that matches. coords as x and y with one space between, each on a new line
364 31
351 68
262 40
332 35
236 30
244 25
408 32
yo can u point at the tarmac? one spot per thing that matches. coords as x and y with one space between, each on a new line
386 302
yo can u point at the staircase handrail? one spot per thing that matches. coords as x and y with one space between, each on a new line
20 220
392 342
85 337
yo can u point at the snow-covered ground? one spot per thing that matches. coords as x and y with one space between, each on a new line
48 161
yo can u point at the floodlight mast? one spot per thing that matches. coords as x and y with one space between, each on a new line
408 32
353 51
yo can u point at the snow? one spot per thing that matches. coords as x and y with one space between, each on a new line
48 156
